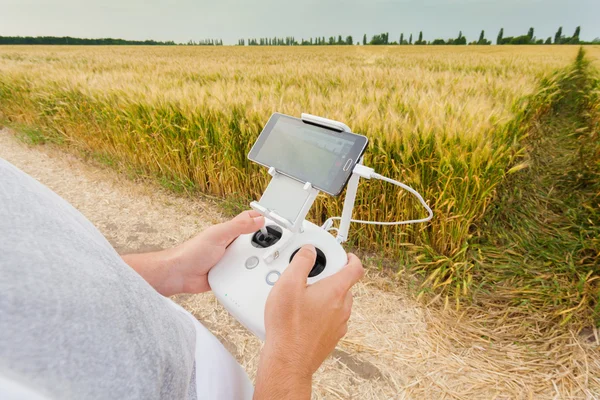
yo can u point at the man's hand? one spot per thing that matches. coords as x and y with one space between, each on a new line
184 269
303 325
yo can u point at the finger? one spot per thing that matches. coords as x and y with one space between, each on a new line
343 329
347 308
301 264
346 277
246 222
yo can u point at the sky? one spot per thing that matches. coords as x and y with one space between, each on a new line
182 20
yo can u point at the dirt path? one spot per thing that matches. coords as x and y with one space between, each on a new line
395 348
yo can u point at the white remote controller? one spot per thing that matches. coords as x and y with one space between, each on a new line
253 263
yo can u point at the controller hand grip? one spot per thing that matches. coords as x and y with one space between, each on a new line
243 279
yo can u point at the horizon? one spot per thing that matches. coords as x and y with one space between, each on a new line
185 20
357 40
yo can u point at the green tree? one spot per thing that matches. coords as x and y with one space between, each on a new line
558 36
482 40
365 39
575 38
523 39
549 40
401 38
530 34
459 40
349 40
420 41
410 39
500 36
379 39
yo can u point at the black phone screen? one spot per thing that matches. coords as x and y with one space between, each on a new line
308 153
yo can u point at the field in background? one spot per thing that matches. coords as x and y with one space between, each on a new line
448 121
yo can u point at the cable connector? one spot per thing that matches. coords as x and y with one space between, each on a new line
346 218
363 171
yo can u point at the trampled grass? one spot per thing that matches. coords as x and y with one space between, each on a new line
448 121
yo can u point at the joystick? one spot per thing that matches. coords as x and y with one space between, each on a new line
268 237
319 265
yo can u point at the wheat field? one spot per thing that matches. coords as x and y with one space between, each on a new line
446 120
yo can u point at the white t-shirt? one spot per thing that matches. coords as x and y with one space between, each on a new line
76 322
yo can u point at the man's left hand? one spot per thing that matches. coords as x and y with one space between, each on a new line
184 269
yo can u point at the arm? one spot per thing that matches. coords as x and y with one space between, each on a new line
276 379
184 269
303 325
157 269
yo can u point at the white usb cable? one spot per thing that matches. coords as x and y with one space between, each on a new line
368 173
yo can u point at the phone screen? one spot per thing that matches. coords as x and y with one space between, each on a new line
308 153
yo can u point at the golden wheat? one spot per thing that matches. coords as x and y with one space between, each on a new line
446 120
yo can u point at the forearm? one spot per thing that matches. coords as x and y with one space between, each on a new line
156 269
277 380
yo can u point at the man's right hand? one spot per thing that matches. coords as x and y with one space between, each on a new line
303 325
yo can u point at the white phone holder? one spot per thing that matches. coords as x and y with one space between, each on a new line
287 201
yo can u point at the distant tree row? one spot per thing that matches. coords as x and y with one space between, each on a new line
559 38
49 40
384 39
291 41
78 41
529 38
380 39
206 42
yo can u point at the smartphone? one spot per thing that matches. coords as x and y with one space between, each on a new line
308 153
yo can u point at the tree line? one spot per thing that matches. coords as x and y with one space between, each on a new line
53 40
529 38
379 39
559 38
291 41
205 42
384 39
67 40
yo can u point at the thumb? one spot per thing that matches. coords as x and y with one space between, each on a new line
301 264
246 222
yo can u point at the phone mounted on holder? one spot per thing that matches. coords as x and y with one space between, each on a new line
287 201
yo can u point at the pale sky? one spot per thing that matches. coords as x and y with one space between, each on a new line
182 20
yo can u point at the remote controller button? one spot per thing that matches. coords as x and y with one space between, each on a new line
252 262
272 277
